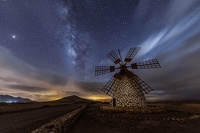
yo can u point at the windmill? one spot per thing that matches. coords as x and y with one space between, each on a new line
125 87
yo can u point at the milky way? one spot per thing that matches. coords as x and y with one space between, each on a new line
49 48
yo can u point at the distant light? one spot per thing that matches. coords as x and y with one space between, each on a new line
10 101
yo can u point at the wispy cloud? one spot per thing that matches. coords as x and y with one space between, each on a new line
14 69
19 76
176 45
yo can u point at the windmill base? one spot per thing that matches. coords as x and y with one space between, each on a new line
128 94
133 109
128 102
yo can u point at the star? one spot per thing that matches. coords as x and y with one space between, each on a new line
13 36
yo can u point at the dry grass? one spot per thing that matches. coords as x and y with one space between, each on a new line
186 107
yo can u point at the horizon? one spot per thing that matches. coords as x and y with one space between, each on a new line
100 99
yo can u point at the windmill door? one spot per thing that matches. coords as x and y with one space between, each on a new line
114 102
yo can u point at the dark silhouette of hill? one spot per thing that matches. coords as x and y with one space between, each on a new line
73 98
11 99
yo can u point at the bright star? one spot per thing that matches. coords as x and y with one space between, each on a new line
13 36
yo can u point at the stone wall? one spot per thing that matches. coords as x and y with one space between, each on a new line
61 124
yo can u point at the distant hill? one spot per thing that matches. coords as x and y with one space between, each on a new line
11 99
73 98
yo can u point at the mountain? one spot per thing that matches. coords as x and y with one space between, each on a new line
11 99
73 98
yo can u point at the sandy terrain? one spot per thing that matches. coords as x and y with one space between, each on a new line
179 118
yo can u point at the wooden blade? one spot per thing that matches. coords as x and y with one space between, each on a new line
146 64
111 86
113 57
99 70
131 54
143 87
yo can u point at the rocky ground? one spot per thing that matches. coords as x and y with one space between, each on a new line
93 120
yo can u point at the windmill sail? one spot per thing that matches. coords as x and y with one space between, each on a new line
111 86
142 85
146 64
113 57
99 70
131 54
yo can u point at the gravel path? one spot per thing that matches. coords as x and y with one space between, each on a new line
27 121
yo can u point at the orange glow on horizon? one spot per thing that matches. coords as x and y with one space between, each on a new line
98 98
56 98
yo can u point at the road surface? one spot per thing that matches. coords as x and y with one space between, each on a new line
27 121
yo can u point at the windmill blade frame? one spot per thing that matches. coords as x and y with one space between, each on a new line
144 87
111 86
149 64
131 54
113 57
100 70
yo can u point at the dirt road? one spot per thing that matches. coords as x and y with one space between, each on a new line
27 121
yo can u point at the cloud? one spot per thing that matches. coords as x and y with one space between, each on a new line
90 90
176 45
28 88
14 69
83 88
19 78
92 87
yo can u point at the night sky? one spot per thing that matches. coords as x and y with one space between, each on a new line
49 48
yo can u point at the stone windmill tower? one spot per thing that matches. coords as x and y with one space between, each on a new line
125 87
